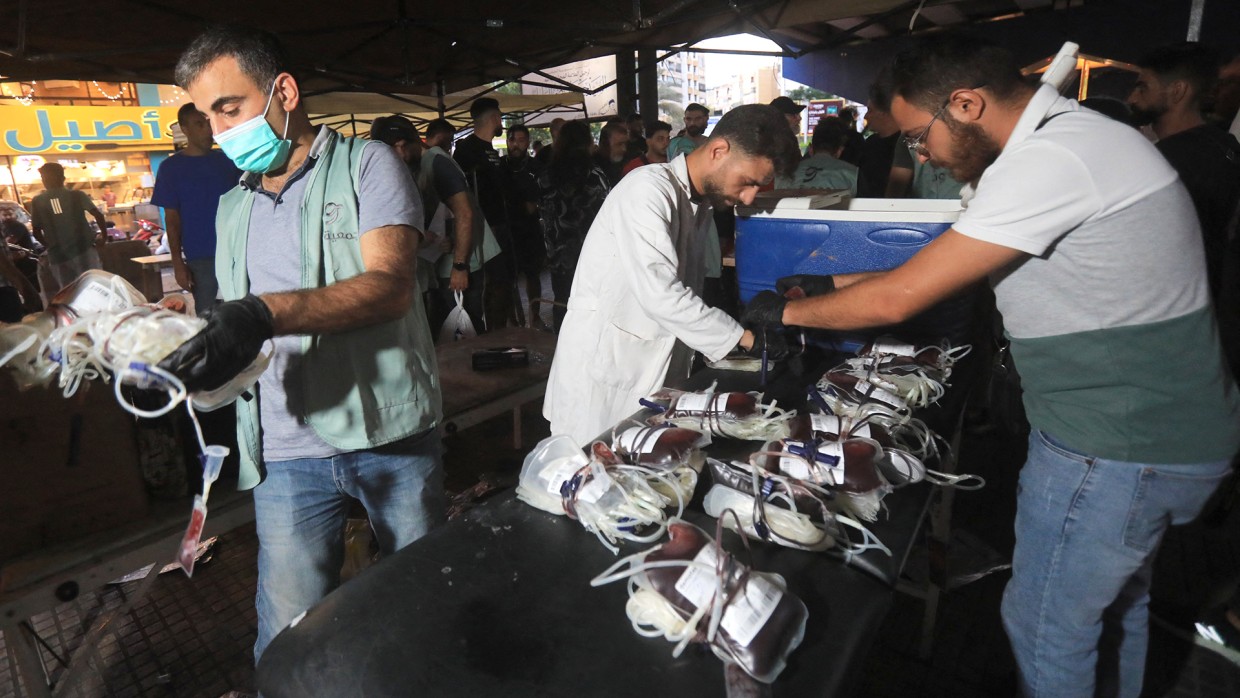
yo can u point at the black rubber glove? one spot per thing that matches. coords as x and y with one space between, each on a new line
764 310
810 284
770 339
234 335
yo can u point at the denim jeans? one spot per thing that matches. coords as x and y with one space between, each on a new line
301 508
1087 529
206 287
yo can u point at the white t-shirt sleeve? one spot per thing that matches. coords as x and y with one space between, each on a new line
1030 198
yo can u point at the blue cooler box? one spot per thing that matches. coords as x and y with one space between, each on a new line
868 235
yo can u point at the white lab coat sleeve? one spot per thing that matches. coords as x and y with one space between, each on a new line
648 255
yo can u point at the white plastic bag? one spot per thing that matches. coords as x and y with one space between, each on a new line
458 325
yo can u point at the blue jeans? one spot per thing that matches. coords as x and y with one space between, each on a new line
301 507
1087 529
206 287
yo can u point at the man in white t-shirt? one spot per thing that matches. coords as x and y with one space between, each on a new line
1094 251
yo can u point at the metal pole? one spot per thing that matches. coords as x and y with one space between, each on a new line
1194 20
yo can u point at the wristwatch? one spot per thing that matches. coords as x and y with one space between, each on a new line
460 266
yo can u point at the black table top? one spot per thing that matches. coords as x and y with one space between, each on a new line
498 603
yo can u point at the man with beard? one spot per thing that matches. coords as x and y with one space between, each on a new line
479 160
1168 97
696 118
1095 255
521 178
635 315
612 141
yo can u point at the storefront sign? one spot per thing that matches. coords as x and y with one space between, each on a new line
821 109
76 130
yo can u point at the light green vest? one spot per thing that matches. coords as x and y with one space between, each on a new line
364 387
483 240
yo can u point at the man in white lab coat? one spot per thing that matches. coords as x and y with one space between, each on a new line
634 314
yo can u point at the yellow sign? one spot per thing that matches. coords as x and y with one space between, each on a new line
79 130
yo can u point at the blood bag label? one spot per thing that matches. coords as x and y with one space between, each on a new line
93 298
699 581
694 402
893 348
750 609
559 472
639 439
877 394
832 424
830 460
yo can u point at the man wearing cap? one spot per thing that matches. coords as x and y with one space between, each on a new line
791 111
58 218
479 160
444 190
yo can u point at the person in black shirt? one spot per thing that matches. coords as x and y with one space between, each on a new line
1168 96
879 149
480 161
852 148
520 175
612 141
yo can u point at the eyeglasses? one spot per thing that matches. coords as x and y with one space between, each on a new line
918 144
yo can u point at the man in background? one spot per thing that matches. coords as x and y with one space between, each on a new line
612 141
479 160
58 220
696 119
823 169
188 187
521 177
1171 88
791 111
878 151
658 135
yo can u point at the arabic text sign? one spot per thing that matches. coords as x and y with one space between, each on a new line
589 74
77 130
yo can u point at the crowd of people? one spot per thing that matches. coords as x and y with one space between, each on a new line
1113 262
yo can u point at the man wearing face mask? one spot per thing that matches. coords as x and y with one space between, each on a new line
1092 246
635 315
316 252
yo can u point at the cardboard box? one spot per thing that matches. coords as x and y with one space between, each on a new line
68 467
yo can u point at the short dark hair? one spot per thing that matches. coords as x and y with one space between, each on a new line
633 117
697 107
830 134
186 110
1188 61
760 130
393 129
926 74
656 126
52 169
259 54
518 128
482 106
439 126
880 91
847 114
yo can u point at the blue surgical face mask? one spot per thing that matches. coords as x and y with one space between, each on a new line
253 146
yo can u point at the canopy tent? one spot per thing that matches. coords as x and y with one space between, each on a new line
401 47
352 112
1085 65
